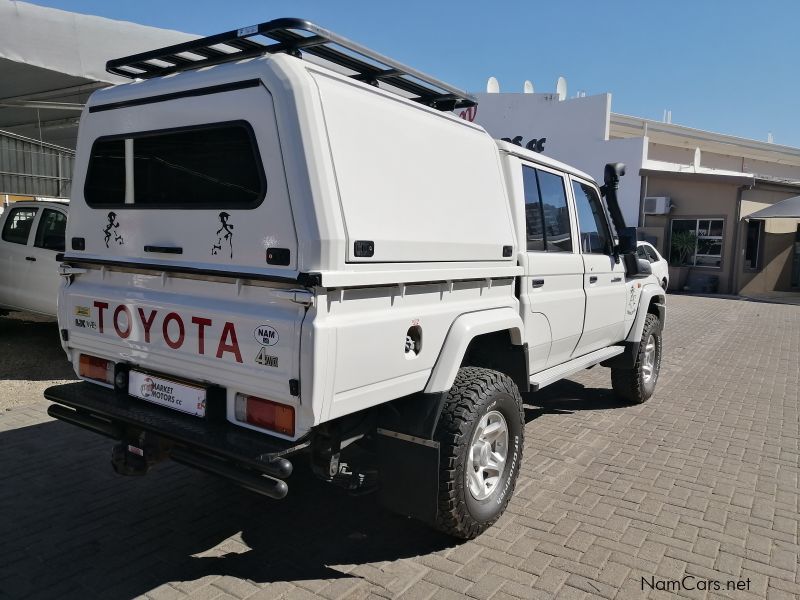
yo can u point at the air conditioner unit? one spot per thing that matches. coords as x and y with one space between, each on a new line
657 205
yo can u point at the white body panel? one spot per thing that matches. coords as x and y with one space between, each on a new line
420 176
29 277
195 231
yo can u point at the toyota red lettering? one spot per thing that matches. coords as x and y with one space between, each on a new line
172 327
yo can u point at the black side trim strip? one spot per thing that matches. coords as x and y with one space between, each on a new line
304 279
204 91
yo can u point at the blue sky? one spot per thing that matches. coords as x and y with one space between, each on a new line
723 65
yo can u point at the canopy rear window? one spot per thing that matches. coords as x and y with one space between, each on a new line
209 166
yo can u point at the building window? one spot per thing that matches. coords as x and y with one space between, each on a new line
707 250
754 244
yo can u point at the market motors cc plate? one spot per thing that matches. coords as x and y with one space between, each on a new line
166 392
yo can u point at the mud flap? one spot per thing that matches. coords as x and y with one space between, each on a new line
408 474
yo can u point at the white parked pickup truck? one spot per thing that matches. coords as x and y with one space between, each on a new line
284 245
31 236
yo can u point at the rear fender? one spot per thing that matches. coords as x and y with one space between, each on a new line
461 333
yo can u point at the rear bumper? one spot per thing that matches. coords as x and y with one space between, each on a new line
211 444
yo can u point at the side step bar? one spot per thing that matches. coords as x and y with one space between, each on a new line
553 374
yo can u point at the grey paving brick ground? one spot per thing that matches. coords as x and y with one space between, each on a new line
702 481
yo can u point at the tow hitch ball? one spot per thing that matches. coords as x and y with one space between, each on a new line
136 455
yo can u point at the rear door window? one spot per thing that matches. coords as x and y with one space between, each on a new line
18 225
51 230
547 220
203 167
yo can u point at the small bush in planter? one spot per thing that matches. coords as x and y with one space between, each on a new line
683 247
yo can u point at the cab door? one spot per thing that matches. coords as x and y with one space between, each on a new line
553 298
604 275
41 278
15 257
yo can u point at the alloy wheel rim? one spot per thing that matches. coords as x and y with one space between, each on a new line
649 359
487 455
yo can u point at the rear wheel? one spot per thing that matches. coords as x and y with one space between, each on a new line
638 383
480 435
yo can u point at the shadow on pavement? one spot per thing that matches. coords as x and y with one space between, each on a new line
31 349
72 528
567 397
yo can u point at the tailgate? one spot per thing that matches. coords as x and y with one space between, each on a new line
243 337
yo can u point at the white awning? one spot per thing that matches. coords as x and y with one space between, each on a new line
785 209
51 60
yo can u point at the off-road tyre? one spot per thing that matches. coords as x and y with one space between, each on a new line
475 393
631 384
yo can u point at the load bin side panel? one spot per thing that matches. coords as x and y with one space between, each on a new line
414 184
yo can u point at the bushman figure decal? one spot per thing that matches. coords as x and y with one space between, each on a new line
112 227
224 234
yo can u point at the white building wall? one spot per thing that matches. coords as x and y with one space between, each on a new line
574 131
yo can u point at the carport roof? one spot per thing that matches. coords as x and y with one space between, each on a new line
51 60
785 209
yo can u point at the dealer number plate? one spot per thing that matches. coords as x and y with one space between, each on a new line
179 396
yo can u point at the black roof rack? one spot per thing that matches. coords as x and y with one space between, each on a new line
295 37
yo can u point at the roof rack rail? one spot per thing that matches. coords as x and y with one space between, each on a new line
295 37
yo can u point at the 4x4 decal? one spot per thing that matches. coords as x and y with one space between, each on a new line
112 228
224 234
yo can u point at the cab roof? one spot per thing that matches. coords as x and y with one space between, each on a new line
541 159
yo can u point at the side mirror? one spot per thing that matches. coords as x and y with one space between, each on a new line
637 267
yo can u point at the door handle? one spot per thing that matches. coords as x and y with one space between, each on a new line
164 249
593 279
31 258
537 283
616 279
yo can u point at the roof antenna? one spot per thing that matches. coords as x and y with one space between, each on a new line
492 86
527 87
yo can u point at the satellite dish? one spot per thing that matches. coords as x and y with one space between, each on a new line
527 87
492 86
561 89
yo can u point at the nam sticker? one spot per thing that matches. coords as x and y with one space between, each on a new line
265 360
266 335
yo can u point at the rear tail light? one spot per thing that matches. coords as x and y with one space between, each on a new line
98 369
265 413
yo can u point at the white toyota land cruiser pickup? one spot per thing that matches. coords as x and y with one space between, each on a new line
283 244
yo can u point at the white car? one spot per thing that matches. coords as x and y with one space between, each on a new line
657 262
